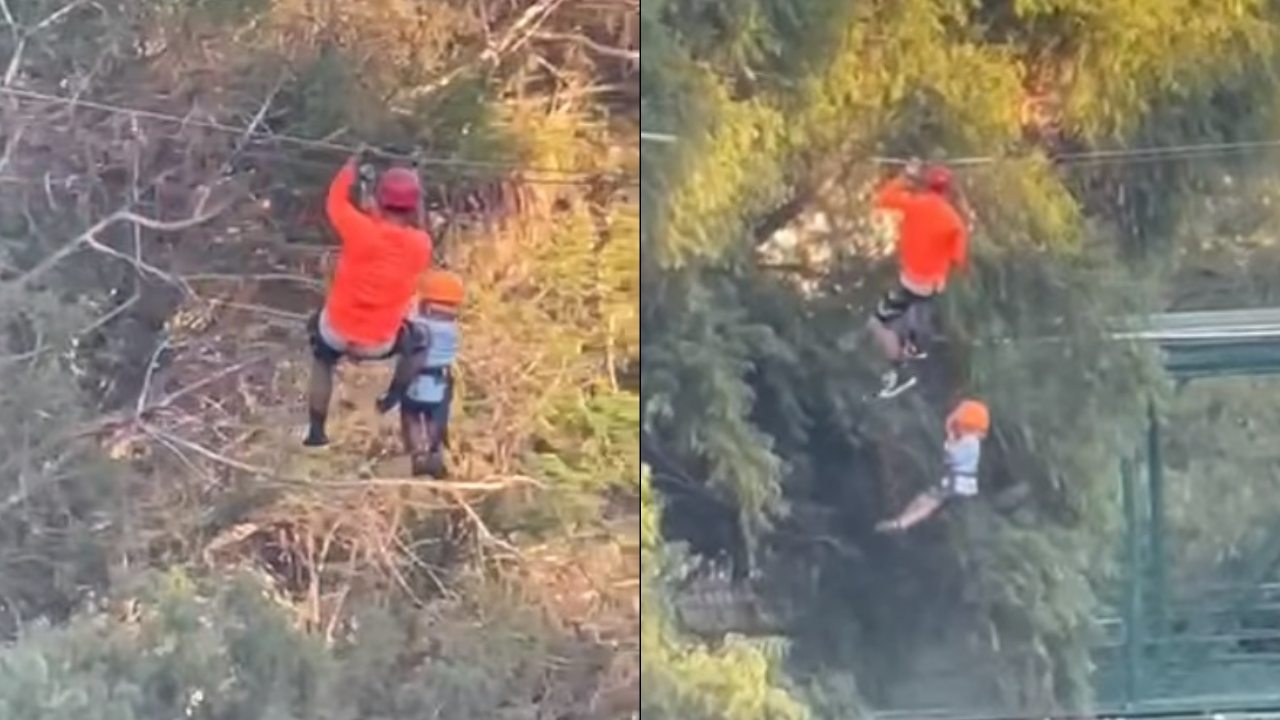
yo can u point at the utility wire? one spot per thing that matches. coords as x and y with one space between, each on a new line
259 134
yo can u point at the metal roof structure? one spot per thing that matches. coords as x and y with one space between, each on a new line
1214 343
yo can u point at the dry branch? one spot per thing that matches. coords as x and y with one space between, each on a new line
493 483
591 44
146 380
89 238
21 34
515 35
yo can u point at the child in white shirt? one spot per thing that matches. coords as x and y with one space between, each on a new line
967 426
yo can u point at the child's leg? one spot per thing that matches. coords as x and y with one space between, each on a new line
440 418
438 426
917 511
406 367
413 428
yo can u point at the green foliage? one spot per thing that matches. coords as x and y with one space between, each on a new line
683 679
181 649
55 538
1031 585
594 454
179 653
559 402
1220 478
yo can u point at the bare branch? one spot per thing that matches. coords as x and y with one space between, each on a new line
19 43
262 309
146 379
57 15
89 238
15 60
450 486
166 225
589 43
23 356
20 34
512 38
174 396
252 127
111 315
11 145
485 533
140 265
263 277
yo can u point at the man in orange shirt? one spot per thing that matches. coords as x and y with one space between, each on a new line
932 239
382 254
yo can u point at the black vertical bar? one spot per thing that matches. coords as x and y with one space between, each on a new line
1133 595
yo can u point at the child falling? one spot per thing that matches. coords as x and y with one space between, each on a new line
966 427
423 381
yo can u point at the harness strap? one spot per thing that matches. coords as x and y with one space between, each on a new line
438 371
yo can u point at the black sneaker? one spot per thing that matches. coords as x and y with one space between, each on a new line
436 467
315 438
420 463
895 382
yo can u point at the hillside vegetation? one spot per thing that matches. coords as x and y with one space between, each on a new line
167 549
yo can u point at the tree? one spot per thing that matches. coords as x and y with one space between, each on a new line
161 248
747 394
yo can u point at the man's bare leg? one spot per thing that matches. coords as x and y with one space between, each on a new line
319 392
887 338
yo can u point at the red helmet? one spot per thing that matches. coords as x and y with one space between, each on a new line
399 189
938 179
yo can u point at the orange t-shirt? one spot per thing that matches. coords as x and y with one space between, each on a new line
378 268
932 238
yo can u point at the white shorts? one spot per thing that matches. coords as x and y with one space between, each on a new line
337 343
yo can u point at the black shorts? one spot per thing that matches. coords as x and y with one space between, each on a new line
955 487
897 302
436 412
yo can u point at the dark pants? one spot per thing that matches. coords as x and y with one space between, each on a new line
907 314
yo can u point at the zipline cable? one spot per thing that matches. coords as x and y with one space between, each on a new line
266 135
1197 711
657 137
1135 154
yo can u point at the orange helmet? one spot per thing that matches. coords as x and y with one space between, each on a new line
970 416
441 286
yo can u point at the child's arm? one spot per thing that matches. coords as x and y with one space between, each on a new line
410 362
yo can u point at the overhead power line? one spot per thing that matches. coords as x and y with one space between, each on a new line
260 134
